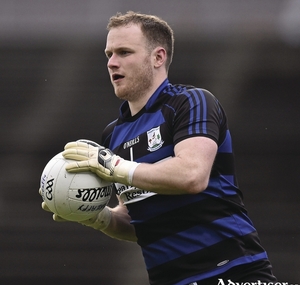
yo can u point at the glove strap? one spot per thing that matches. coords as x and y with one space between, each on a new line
124 170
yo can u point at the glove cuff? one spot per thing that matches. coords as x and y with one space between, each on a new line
124 170
101 221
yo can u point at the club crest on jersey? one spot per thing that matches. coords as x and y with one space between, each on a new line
155 141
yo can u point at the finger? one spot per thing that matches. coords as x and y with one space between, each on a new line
78 144
71 145
78 166
40 191
45 207
89 142
76 154
57 218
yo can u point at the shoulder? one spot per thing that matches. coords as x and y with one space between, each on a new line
107 133
188 91
187 96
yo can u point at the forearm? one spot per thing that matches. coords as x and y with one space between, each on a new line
114 222
167 178
186 173
119 226
171 177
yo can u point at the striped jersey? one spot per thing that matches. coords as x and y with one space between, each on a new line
184 238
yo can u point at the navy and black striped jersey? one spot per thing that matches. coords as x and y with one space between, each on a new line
184 238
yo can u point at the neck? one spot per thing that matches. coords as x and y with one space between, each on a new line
137 105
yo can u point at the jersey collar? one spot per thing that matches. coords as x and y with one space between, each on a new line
156 94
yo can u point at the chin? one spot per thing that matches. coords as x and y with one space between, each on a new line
121 96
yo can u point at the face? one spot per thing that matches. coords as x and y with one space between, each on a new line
129 63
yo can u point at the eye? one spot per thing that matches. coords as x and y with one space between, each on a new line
124 52
108 54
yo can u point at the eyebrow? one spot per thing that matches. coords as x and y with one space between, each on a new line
118 49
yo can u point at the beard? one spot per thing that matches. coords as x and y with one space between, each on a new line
138 83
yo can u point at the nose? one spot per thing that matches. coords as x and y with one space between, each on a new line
113 62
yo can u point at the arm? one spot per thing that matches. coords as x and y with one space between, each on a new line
119 226
186 173
114 222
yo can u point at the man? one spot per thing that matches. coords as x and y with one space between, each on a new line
170 156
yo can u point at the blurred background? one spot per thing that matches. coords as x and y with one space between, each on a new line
54 88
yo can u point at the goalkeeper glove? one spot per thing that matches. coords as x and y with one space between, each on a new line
100 160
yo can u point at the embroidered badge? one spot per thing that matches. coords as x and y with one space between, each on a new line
155 141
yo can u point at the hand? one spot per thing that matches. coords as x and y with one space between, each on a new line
100 160
45 208
55 217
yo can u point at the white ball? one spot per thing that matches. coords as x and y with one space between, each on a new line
73 196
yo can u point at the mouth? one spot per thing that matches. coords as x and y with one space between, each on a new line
116 77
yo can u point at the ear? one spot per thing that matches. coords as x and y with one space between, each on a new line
159 56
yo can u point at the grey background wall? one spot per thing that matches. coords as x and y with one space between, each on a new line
54 88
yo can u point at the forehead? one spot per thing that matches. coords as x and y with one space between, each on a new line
130 35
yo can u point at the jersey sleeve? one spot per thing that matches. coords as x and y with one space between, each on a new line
198 114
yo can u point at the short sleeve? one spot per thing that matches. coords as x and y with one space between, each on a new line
198 114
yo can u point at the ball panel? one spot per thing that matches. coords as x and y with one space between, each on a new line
51 174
